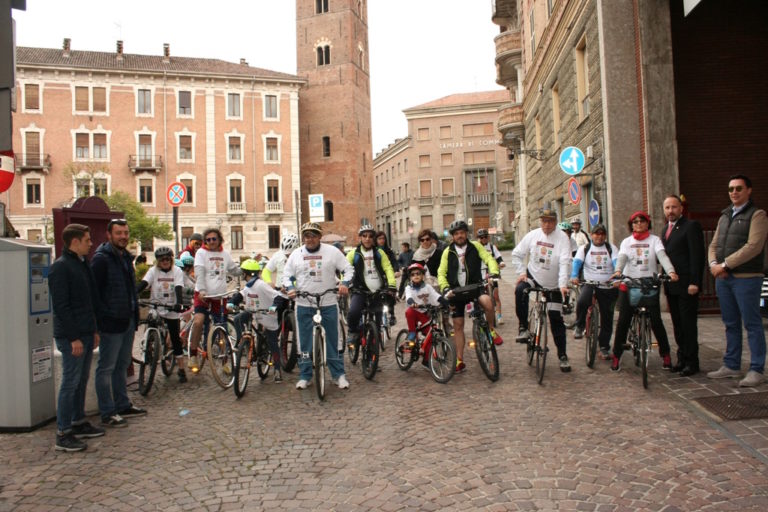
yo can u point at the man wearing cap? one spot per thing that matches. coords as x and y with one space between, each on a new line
578 235
683 241
548 251
195 242
595 261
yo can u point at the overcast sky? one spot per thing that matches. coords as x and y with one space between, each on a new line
421 50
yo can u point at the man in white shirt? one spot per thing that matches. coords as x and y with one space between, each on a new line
312 268
578 236
548 251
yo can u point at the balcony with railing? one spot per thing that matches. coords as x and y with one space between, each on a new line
509 56
33 162
138 163
504 11
236 208
508 173
479 199
426 201
447 200
271 207
510 122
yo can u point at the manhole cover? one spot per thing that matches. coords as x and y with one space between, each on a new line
746 406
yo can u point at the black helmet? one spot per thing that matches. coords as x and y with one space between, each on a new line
458 225
482 232
163 252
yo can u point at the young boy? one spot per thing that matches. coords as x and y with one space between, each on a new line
418 294
166 281
259 295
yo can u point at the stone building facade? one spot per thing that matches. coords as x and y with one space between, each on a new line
450 166
89 123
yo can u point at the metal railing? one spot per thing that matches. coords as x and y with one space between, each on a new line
145 162
33 161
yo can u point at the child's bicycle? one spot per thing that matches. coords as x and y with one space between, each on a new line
431 341
252 350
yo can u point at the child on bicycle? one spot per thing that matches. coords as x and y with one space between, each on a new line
259 295
186 263
165 281
418 294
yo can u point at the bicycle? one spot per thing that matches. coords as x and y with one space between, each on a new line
592 327
168 359
482 340
643 292
222 345
150 346
252 350
429 336
369 338
319 355
536 345
288 337
569 306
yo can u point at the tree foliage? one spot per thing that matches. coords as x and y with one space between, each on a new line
143 227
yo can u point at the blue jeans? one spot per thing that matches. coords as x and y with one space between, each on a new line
740 302
115 351
331 324
70 408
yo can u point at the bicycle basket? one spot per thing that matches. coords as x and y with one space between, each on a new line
467 293
645 295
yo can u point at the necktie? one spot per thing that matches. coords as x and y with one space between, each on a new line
669 230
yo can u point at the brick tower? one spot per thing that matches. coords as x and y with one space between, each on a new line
335 112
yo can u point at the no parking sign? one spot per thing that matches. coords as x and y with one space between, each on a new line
574 191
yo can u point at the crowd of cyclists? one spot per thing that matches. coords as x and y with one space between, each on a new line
552 256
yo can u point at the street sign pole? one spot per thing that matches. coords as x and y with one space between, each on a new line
176 228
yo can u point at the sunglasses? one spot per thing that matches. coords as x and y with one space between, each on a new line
737 188
483 236
165 258
424 239
119 222
366 235
212 239
639 221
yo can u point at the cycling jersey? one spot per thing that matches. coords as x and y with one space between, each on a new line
163 288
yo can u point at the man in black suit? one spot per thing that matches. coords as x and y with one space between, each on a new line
684 243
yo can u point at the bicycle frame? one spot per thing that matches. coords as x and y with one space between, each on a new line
318 341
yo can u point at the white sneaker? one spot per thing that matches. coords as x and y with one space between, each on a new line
302 384
752 379
724 373
342 382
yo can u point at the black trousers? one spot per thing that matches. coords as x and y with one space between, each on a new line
606 297
625 319
555 317
684 310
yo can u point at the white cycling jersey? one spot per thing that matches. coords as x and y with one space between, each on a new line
162 287
315 272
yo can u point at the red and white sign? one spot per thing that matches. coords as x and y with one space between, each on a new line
574 191
176 193
7 170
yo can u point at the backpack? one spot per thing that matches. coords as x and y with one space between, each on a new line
586 251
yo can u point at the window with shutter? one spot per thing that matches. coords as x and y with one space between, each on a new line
32 96
99 145
32 151
99 99
185 147
81 99
185 103
82 144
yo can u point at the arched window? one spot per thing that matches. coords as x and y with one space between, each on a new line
323 55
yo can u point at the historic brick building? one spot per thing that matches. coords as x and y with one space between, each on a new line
450 166
335 111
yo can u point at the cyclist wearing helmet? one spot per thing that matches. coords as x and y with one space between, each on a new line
187 264
166 282
289 242
373 272
484 238
461 265
212 264
259 295
312 268
566 228
548 251
580 237
418 294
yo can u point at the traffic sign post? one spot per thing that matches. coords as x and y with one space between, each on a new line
572 160
593 213
316 212
574 191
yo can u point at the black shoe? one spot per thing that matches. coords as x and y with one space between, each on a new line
86 431
114 421
688 371
678 367
132 411
182 376
69 443
565 366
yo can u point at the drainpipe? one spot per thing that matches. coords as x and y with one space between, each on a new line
253 148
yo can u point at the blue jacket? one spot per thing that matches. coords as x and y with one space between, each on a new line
116 282
73 296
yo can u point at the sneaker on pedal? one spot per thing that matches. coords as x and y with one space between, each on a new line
86 431
522 335
496 338
578 333
615 363
460 366
342 382
666 362
565 366
302 384
69 443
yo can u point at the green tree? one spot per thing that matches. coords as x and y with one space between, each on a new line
143 227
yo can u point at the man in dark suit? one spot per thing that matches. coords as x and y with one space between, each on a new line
684 243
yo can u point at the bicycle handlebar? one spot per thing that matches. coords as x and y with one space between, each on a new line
318 296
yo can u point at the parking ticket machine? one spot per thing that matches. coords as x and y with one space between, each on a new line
27 394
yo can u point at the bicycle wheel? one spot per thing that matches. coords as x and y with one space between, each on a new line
569 309
167 359
220 356
645 347
353 350
485 350
318 357
634 337
592 331
533 321
369 346
541 347
263 356
148 364
243 364
404 350
288 345
442 359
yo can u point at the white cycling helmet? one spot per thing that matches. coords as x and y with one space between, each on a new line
289 242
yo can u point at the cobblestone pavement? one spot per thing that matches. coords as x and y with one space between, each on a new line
588 440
